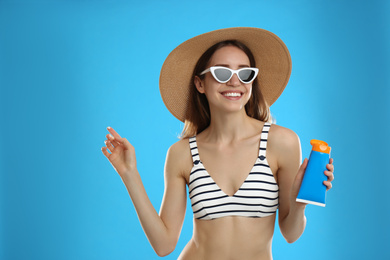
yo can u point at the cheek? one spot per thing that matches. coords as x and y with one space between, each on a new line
210 86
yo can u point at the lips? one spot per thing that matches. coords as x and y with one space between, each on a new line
232 94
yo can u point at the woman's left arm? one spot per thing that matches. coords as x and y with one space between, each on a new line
292 219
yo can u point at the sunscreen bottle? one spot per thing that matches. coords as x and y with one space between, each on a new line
312 189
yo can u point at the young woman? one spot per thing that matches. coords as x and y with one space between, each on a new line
239 168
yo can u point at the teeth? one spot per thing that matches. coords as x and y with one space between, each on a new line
232 94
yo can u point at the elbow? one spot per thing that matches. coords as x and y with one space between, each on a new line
293 232
162 253
291 240
164 250
292 237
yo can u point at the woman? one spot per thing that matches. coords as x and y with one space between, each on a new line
252 166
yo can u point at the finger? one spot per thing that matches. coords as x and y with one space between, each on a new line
114 133
105 152
328 185
122 141
330 175
110 137
109 145
116 139
330 164
330 167
115 142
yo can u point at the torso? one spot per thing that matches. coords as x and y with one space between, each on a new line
232 237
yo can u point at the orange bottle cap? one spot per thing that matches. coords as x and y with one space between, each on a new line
320 146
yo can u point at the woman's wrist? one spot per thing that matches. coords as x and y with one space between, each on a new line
130 175
297 207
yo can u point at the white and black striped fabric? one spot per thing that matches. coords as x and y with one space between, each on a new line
258 196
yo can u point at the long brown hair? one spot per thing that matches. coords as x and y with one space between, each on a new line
197 116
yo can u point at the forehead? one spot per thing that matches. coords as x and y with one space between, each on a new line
229 55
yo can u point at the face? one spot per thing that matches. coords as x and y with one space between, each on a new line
232 95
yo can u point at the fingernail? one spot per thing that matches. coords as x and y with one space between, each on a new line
109 127
110 136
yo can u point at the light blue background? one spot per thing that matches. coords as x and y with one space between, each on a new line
69 69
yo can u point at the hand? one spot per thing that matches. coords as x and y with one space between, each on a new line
298 178
122 156
330 175
297 183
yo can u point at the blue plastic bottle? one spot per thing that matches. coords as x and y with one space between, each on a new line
312 189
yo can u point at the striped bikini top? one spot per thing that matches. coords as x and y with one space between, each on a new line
257 197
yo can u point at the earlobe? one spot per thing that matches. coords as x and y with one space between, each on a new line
199 84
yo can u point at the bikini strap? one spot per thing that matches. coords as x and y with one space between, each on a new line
263 140
194 149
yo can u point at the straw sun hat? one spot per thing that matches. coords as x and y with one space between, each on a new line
271 55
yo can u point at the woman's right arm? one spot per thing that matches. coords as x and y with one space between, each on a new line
162 230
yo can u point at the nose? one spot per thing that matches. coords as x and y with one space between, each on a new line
234 81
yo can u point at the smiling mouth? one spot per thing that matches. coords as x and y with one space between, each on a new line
232 94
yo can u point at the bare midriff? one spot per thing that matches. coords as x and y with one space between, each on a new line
231 238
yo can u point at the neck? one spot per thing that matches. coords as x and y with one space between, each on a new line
228 127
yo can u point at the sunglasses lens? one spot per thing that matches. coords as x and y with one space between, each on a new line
247 75
222 74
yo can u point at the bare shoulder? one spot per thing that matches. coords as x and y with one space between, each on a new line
179 158
180 149
283 136
283 141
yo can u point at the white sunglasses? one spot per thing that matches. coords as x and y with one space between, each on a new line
223 74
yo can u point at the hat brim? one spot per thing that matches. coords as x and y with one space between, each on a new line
271 55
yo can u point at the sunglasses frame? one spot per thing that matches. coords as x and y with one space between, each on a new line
213 68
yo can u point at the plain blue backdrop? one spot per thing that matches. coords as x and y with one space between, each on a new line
69 69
